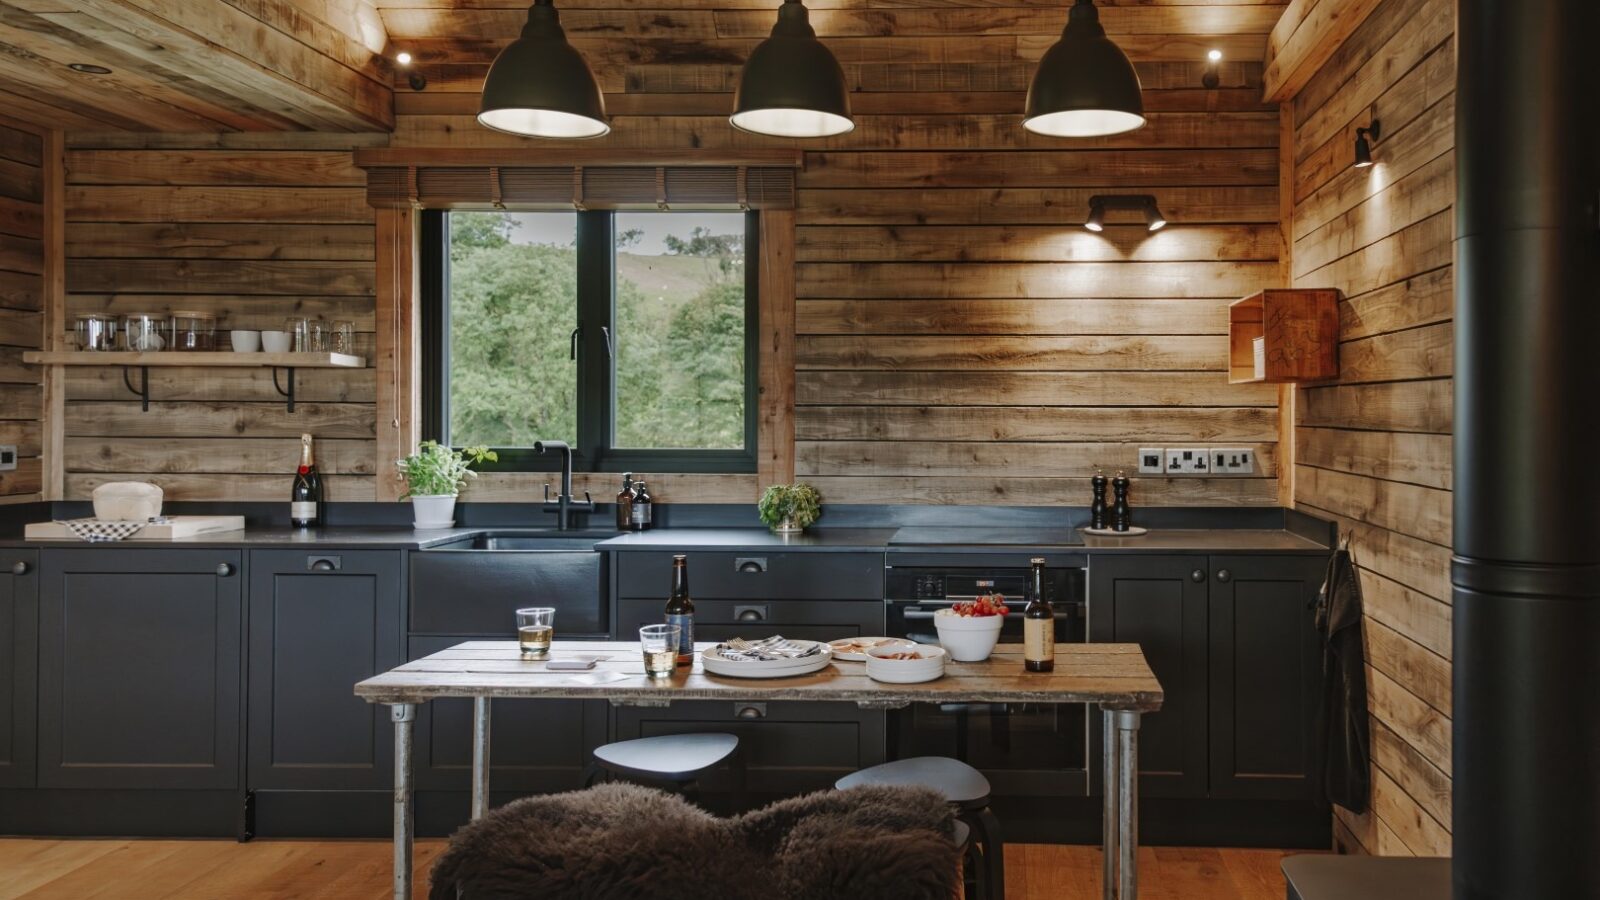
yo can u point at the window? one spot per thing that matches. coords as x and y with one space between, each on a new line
627 334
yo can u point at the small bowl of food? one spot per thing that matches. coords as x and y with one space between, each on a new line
970 630
905 665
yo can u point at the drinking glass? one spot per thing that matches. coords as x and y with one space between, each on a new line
317 336
659 643
344 337
536 627
299 334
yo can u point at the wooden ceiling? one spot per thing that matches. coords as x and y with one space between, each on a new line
248 65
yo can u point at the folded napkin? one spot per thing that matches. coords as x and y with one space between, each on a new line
766 649
99 530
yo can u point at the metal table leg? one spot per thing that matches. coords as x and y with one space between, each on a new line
480 757
402 715
1111 784
1128 803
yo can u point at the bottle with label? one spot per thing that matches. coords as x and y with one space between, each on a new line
643 507
680 610
1038 625
625 503
305 498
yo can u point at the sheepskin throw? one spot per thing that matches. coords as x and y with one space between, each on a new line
627 842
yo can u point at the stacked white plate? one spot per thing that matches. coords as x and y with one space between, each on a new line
717 664
928 666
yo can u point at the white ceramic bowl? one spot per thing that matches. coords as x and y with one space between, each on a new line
928 666
968 638
245 341
276 341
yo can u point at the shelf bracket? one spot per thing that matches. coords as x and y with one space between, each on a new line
287 394
143 390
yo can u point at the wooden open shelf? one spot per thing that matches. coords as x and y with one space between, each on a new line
130 360
195 358
1301 333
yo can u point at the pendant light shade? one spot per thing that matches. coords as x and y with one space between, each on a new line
540 86
792 85
1085 85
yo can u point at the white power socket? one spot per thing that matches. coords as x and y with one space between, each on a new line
1150 460
1232 461
1187 461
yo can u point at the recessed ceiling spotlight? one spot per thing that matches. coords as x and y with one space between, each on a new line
1215 56
89 68
403 58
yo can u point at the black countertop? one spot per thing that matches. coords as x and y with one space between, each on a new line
872 540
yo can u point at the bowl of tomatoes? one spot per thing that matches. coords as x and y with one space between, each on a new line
969 630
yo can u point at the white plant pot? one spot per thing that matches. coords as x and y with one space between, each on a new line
433 510
968 638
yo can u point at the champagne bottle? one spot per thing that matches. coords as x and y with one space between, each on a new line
1038 625
305 498
680 610
625 503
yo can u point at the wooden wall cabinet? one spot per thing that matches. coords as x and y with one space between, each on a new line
1300 334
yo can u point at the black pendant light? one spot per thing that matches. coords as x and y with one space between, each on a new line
1085 85
539 86
792 86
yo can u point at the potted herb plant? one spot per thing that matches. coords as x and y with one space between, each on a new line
790 508
434 475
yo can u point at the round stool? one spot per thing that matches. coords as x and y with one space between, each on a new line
964 788
678 759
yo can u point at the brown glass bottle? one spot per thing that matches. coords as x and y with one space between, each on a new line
680 610
1038 625
625 503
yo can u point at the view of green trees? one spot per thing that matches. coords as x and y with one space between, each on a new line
679 336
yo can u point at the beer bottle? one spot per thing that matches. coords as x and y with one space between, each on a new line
1038 625
680 610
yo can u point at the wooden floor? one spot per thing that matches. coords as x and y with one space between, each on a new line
359 870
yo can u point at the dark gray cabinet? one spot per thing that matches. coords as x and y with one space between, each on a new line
534 745
1159 603
320 622
140 668
1266 668
19 665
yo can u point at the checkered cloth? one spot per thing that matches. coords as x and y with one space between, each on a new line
98 530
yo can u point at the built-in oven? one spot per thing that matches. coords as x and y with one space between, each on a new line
1037 750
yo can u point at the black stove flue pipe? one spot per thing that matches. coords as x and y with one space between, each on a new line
1526 570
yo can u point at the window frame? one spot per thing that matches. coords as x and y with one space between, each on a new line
596 368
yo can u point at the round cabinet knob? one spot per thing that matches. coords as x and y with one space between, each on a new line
1224 575
19 568
322 565
1197 576
750 712
224 570
750 615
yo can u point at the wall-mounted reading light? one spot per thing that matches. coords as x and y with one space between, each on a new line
1144 203
416 79
1364 146
1213 73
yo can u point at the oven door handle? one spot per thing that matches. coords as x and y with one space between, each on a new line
923 638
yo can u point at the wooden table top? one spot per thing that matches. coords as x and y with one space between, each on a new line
1114 676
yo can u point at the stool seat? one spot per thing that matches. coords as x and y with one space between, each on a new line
961 784
1325 877
670 757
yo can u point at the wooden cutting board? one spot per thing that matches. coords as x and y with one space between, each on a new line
176 527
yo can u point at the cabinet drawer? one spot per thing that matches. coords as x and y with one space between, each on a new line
757 576
789 748
718 620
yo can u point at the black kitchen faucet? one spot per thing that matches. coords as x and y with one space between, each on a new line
564 505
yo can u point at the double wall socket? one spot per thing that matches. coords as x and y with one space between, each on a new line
1196 461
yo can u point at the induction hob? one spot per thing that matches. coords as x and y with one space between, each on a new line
929 536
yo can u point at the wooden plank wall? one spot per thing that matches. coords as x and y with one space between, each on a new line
157 223
22 292
1374 448
960 337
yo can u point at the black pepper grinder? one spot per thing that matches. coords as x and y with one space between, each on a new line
1121 514
1097 509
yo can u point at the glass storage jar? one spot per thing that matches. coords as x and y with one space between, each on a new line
95 331
144 332
194 331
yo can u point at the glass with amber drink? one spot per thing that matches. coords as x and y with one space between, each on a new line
659 643
536 628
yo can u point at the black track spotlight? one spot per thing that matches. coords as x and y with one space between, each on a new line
1365 138
1097 216
1144 204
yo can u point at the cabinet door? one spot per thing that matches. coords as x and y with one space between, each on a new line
534 745
1266 669
19 665
319 623
140 657
1159 603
